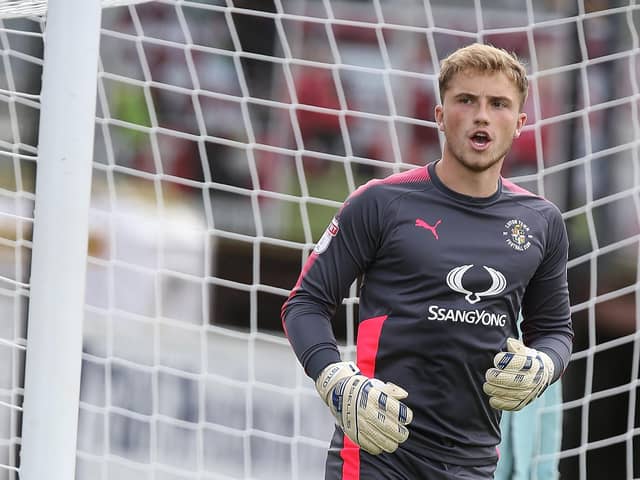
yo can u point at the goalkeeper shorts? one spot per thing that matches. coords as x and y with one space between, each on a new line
346 461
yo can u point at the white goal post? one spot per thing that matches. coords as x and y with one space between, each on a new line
163 184
59 258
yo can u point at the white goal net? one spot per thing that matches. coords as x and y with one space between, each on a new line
227 134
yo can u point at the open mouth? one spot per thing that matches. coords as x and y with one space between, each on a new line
480 140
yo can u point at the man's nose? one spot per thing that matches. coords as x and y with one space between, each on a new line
481 114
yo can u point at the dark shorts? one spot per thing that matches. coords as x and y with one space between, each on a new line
349 462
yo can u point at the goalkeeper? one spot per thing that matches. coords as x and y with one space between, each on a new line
449 255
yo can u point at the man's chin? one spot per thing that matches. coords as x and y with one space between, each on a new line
479 164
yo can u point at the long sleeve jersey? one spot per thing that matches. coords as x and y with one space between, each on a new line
444 277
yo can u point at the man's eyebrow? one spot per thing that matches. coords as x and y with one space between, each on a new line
501 98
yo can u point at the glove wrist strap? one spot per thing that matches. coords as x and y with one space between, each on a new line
332 374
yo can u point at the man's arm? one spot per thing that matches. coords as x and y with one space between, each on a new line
344 251
525 370
546 324
368 411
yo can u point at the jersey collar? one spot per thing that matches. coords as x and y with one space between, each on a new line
460 197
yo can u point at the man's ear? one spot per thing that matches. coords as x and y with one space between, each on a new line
439 117
522 119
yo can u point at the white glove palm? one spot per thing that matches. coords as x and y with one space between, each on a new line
520 375
368 410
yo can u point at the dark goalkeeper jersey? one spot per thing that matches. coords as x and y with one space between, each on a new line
444 278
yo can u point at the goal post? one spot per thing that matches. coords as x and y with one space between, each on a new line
60 238
182 184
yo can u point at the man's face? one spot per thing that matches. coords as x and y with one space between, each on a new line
480 116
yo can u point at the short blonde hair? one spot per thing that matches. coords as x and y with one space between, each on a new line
485 59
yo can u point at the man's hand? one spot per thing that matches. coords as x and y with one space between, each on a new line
520 375
367 410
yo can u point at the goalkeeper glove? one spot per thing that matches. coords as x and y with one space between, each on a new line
367 410
520 375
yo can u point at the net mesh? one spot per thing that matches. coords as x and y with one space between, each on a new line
24 8
227 135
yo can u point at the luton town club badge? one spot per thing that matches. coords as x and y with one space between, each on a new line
516 234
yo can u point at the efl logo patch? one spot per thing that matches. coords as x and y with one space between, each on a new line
517 235
331 231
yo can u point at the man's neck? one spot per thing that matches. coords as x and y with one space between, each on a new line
460 179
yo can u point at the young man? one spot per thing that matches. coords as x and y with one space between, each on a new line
449 254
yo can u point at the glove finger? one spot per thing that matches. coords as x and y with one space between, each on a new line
388 404
366 444
395 431
499 377
503 392
394 390
516 346
513 361
506 404
379 438
395 409
387 418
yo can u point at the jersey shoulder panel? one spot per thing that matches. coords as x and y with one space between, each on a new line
388 188
524 197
